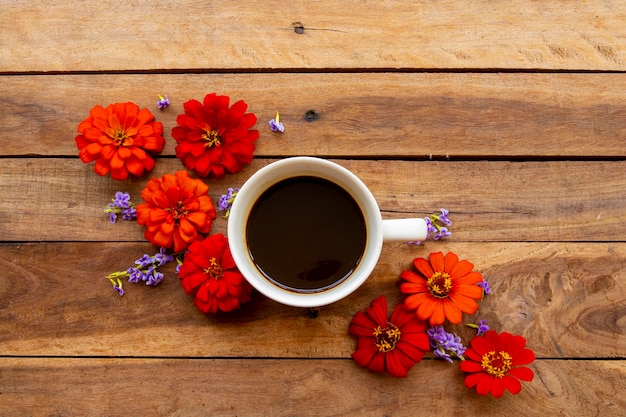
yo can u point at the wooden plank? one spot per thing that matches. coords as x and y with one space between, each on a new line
76 35
419 115
567 299
491 201
190 387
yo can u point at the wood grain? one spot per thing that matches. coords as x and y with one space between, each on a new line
74 35
416 115
165 387
567 299
490 201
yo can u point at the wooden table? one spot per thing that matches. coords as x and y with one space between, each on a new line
510 114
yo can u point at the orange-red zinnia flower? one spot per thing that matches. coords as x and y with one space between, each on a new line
494 363
177 210
209 273
214 138
442 288
394 345
117 138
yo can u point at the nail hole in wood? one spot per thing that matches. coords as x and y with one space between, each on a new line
298 28
311 115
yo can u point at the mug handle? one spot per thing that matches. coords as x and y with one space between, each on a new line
404 230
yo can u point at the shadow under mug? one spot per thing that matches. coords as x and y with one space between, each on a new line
377 229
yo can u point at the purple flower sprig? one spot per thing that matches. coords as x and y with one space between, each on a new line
226 201
163 102
445 345
437 226
146 270
117 284
481 327
276 125
485 286
121 205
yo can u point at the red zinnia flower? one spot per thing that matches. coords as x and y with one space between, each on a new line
176 210
213 138
494 360
210 274
394 345
117 138
442 288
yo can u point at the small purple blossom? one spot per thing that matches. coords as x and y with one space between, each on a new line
443 217
481 327
485 286
144 261
441 233
117 285
121 205
134 275
436 227
445 345
119 290
179 263
121 199
162 258
163 102
129 213
226 201
154 278
276 125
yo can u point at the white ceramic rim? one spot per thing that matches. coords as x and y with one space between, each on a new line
269 175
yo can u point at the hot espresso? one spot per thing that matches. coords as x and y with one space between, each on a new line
306 234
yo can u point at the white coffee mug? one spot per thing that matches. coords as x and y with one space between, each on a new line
377 229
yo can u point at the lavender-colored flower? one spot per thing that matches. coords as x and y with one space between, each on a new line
435 228
163 102
134 275
129 213
430 228
148 274
144 261
481 327
226 201
443 217
276 125
485 286
117 285
154 278
441 233
121 204
445 345
121 200
162 258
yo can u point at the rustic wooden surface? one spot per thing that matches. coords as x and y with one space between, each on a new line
511 114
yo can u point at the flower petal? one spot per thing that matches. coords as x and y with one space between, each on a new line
525 374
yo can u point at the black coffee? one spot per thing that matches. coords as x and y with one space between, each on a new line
306 234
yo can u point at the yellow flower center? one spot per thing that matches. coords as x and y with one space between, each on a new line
440 284
120 138
212 138
386 338
214 270
496 364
